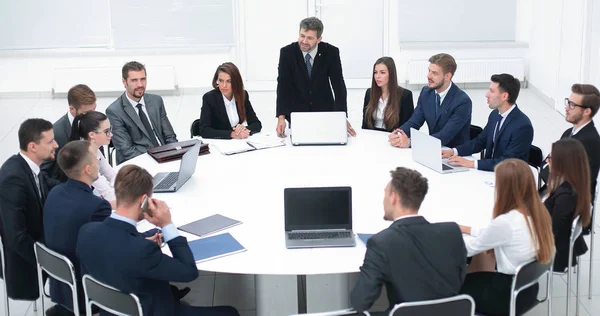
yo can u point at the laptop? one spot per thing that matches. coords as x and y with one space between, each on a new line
172 181
427 150
318 217
319 128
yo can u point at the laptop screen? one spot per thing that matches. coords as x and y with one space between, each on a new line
318 208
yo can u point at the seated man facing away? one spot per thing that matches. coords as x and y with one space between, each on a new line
416 260
115 253
507 134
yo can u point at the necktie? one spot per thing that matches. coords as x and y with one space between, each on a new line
39 181
308 65
496 132
437 104
146 124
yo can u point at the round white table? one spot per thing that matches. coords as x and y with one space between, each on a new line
249 187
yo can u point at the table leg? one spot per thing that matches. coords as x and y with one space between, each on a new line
276 295
328 292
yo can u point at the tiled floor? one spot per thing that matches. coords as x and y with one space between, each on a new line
238 290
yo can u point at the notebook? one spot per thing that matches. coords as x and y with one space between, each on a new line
214 247
209 225
364 237
236 146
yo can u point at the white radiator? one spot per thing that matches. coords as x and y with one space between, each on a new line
469 70
108 79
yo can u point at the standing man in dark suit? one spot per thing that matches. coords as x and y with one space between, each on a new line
81 100
139 120
416 260
507 134
23 190
141 268
68 207
305 71
443 105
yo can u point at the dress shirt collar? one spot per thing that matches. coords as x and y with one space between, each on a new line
406 216
70 117
34 167
575 131
313 53
118 217
134 103
382 101
227 102
505 114
443 93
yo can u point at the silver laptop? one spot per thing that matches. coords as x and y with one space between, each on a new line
319 128
427 150
318 217
172 181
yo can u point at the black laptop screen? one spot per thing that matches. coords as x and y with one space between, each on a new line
318 208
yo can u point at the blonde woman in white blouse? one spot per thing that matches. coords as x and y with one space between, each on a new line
94 127
520 232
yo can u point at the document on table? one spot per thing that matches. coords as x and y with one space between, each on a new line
236 146
214 247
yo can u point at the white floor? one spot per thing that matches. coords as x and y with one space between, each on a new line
238 290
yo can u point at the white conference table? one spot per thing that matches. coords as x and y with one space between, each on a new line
249 187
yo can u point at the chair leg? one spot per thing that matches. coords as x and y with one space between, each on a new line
591 253
35 306
569 271
6 301
578 271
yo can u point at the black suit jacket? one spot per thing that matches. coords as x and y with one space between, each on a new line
68 207
21 226
141 267
561 205
62 132
406 105
415 260
296 92
214 122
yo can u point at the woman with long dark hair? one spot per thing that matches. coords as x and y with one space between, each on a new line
387 105
226 111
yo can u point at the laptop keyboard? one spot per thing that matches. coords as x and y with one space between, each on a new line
319 235
168 181
446 167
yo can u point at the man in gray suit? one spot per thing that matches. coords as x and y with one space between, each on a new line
139 121
81 100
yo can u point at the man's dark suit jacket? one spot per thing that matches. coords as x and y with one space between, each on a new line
214 121
141 267
62 132
415 260
68 207
406 105
296 92
561 205
513 140
21 225
453 121
130 137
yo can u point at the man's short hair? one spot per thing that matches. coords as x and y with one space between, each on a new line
312 24
132 182
31 131
509 84
410 185
73 157
446 61
591 96
132 66
80 95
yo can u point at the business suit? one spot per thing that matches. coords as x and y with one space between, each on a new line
415 260
62 133
68 207
561 205
406 106
297 92
130 137
214 121
21 225
451 124
513 140
142 268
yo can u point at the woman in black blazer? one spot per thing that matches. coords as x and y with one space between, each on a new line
226 111
568 196
387 106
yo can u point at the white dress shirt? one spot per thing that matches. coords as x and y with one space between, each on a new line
35 169
444 93
575 131
143 103
508 234
378 115
313 54
406 216
70 117
104 185
232 114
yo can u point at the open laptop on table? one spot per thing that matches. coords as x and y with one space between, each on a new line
172 181
427 150
319 128
318 217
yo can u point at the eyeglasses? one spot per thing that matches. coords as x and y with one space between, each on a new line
106 132
572 104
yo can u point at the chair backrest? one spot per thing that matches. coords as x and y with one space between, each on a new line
474 131
342 312
195 128
459 305
536 157
56 265
576 229
110 299
528 274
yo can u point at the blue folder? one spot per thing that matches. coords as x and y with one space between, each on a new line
213 247
364 237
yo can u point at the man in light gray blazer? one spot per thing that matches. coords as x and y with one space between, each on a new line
135 132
